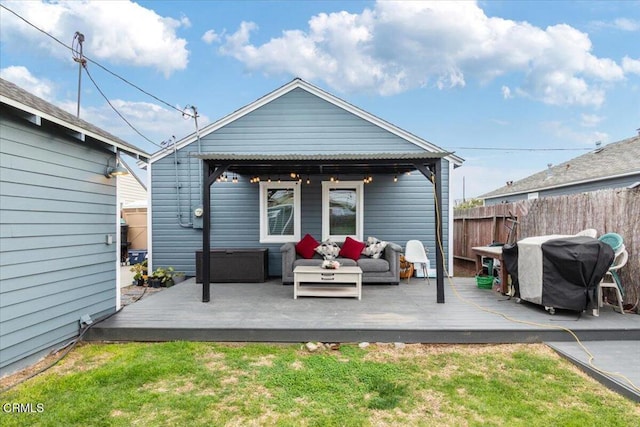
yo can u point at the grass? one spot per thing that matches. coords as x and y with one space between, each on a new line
187 383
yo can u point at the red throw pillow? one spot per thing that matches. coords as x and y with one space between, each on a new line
307 246
352 249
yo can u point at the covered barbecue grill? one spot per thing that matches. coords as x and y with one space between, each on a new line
558 271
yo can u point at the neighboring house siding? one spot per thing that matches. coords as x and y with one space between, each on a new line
130 190
297 122
56 209
570 189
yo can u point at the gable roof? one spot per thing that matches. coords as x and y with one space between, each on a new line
615 160
314 90
37 109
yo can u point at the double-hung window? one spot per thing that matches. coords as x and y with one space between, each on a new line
342 210
279 212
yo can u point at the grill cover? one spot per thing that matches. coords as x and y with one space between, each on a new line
566 275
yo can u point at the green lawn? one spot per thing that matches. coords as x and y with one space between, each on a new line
210 384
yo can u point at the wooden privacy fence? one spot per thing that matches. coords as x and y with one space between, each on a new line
607 211
136 219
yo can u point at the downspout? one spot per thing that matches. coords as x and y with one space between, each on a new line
118 239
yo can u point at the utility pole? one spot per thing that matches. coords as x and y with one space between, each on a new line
76 49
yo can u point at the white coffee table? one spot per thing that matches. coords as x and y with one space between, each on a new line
322 282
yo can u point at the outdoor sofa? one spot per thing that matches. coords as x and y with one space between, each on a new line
382 270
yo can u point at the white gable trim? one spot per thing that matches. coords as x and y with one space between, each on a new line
299 83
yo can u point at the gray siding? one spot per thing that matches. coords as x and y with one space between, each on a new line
56 209
297 122
572 189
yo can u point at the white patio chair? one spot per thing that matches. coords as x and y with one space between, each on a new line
612 280
416 254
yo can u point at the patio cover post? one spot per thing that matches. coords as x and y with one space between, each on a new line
439 255
209 176
435 177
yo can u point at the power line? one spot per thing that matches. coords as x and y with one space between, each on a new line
520 149
84 66
95 62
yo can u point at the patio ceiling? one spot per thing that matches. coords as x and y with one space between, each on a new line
323 164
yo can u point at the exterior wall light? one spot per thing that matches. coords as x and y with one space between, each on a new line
119 170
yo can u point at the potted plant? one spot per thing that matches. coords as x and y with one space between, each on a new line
140 271
178 277
163 276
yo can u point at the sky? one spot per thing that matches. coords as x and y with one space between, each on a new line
509 86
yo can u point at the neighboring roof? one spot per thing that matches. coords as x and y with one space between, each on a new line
299 83
39 109
615 160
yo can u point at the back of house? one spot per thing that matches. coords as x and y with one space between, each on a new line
300 120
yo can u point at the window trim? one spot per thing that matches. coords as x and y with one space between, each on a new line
264 222
359 187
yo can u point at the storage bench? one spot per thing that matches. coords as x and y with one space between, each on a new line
235 265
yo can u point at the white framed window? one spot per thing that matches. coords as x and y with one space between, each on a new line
279 212
342 210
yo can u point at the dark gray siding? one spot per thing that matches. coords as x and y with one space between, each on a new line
56 209
572 189
297 122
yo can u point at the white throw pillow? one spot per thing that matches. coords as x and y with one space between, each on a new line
328 249
374 248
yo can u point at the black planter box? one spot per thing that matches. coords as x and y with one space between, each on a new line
235 265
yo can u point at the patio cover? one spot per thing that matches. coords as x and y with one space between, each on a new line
215 164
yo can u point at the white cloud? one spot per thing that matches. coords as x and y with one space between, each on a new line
565 133
120 32
210 37
397 46
501 122
626 24
153 121
22 77
590 120
506 92
630 65
622 24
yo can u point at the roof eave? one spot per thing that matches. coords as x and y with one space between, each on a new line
119 145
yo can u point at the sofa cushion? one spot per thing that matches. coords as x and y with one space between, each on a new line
328 249
370 265
374 248
346 262
352 249
306 247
